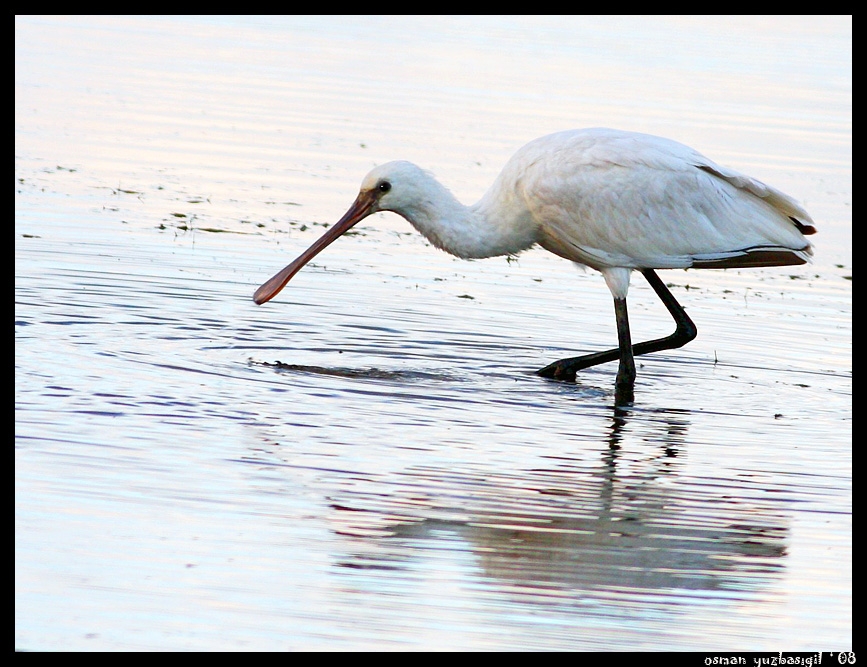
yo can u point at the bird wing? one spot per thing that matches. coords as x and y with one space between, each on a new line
606 198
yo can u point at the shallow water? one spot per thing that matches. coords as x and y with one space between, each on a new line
368 461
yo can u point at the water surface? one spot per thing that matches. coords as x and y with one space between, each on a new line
368 461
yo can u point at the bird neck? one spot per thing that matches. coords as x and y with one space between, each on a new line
489 228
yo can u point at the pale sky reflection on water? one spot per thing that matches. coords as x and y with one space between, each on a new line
401 480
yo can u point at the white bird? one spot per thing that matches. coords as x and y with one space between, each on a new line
608 199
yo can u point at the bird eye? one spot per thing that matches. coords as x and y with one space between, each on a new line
385 186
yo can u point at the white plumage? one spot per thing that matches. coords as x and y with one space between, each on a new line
612 200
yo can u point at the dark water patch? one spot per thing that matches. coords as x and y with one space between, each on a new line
357 373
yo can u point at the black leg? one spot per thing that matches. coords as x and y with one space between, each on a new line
565 369
623 386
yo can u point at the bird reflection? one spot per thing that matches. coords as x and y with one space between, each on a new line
628 523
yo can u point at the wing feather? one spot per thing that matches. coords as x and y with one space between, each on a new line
617 199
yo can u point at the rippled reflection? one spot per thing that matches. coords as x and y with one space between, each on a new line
564 527
370 462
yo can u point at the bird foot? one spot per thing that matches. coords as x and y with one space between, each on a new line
565 369
558 371
624 394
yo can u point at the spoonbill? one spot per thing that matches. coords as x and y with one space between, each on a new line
612 200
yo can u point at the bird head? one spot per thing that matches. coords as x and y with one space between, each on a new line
394 186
